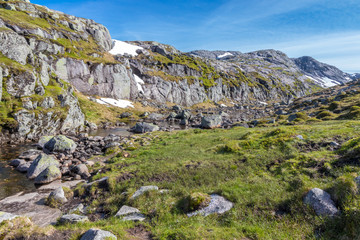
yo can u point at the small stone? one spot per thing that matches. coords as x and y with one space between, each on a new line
136 217
81 170
126 210
300 137
218 204
16 162
97 234
73 218
142 190
321 202
24 167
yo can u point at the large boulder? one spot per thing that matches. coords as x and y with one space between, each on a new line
321 202
97 234
41 163
43 140
145 127
218 204
60 144
211 121
49 175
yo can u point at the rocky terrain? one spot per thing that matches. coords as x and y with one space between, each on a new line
48 58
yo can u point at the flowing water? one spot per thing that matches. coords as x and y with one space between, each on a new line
12 182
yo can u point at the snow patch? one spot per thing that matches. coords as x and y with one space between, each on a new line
324 82
117 103
139 82
225 55
120 47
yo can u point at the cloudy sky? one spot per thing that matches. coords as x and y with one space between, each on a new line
328 30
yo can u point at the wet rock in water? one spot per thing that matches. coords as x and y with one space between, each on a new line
211 121
24 167
60 144
321 202
73 218
126 210
145 127
81 170
4 216
16 162
155 117
97 234
49 175
30 155
218 204
57 197
43 140
42 162
142 190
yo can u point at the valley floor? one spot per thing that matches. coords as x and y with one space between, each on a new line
265 171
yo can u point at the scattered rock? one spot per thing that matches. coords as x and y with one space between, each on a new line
49 175
73 218
126 210
82 170
42 162
17 162
57 197
136 217
24 167
145 127
321 202
97 234
60 144
142 190
211 121
218 204
43 140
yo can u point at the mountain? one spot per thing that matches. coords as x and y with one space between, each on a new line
54 68
324 74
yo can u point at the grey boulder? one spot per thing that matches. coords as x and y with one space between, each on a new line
58 195
321 202
126 210
60 144
23 167
142 190
41 163
211 121
97 234
82 170
49 175
218 204
145 127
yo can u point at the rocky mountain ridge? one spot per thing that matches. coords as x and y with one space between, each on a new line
48 58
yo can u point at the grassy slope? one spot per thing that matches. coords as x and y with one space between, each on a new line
264 171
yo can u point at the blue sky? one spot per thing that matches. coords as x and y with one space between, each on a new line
328 30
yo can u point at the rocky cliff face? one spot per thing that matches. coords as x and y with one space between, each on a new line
44 55
195 77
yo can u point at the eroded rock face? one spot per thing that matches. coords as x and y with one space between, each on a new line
21 85
321 202
14 46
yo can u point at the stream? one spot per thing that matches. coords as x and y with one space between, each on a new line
13 182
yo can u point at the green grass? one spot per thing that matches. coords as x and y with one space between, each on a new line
264 171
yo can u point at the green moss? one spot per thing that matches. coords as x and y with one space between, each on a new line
326 115
198 200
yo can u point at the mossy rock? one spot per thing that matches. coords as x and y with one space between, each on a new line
198 200
60 144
